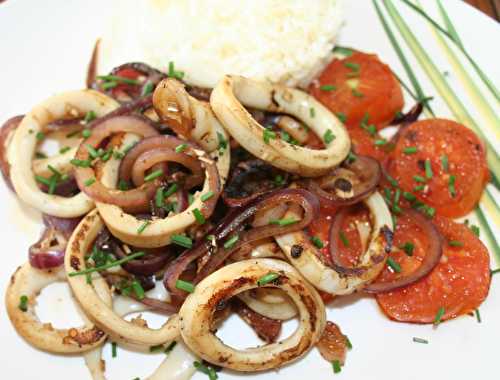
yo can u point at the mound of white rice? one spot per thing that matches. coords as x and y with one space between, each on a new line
286 41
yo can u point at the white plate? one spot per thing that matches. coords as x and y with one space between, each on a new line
45 47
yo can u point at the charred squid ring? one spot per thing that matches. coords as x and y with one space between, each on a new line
28 282
98 311
197 313
22 149
371 262
227 101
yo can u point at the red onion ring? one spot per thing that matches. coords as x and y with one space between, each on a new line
65 226
234 223
409 117
66 188
431 259
144 266
48 251
134 200
367 172
5 132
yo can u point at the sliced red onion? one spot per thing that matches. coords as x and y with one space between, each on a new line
48 252
433 254
234 223
65 226
409 117
146 265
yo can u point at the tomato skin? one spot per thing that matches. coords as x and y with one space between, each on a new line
381 98
364 144
459 283
466 156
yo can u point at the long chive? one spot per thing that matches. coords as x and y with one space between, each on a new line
185 285
109 265
397 48
23 303
231 242
439 316
267 278
182 240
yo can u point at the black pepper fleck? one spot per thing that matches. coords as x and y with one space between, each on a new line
296 251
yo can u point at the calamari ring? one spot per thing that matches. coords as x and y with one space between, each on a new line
207 132
22 149
197 313
327 279
227 101
97 310
28 281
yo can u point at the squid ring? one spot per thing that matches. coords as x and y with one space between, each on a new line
208 133
197 313
283 310
28 282
371 262
227 101
97 310
22 149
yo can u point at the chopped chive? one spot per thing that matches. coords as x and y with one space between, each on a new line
153 175
408 248
117 78
170 347
285 136
138 289
86 133
159 197
267 278
52 184
393 265
143 226
444 162
40 155
180 148
182 240
351 157
23 303
43 180
451 186
279 180
428 169
478 316
156 348
428 211
64 149
392 181
40 136
342 50
147 89
171 190
420 340
207 370
108 265
172 73
267 135
92 152
328 137
475 230
348 342
205 197
107 155
336 366
184 285
419 188
328 87
89 182
387 194
357 94
409 196
341 116
419 178
410 150
231 241
122 185
199 216
317 242
89 116
222 141
312 112
397 196
455 243
284 221
351 65
439 316
344 239
380 142
113 350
